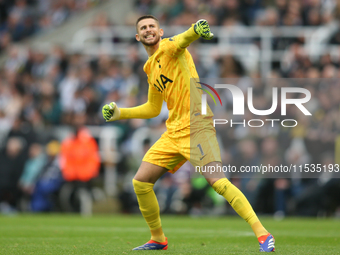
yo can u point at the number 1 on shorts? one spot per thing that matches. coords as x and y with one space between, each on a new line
200 147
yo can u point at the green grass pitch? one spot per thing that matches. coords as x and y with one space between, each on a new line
117 234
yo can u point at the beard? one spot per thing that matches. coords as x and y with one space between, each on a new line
150 42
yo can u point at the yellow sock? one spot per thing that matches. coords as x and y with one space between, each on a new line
258 229
240 204
157 235
149 208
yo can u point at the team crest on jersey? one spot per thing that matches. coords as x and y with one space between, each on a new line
161 83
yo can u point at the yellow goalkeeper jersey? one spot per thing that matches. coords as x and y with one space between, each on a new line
172 74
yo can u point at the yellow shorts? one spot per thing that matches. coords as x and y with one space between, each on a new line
171 151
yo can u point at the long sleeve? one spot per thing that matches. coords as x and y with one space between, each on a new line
177 44
150 109
187 37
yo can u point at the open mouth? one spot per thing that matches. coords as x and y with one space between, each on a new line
150 36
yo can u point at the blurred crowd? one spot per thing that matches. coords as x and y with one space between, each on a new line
40 92
243 12
20 19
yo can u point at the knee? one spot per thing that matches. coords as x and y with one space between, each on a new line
142 187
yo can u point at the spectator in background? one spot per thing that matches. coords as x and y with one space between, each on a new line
33 167
80 162
46 191
12 161
67 90
49 106
22 129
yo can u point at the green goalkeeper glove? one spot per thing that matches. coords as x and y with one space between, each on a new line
202 29
111 112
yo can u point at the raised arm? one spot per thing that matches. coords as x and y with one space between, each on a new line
199 29
186 38
176 45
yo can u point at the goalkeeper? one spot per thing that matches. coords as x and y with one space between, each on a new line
172 77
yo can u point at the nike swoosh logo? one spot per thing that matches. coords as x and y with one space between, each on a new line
203 156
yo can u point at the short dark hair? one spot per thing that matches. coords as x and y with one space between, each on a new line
146 17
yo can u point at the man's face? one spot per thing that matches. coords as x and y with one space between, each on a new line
148 32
